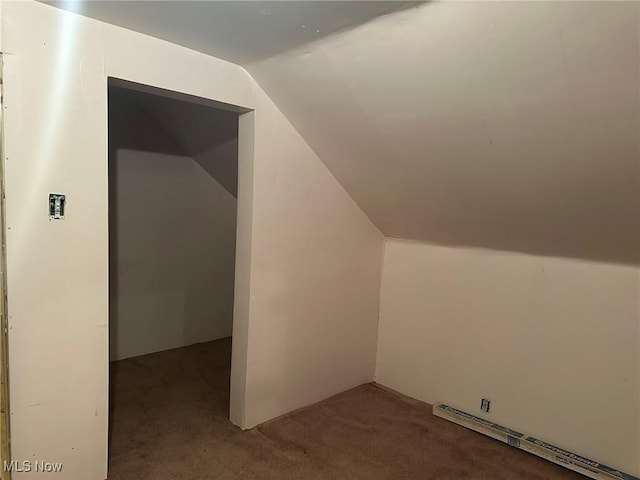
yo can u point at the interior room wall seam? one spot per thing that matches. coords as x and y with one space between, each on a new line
382 263
344 190
476 248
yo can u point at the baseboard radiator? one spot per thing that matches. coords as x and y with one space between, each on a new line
567 459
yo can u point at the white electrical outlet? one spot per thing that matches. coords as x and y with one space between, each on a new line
485 405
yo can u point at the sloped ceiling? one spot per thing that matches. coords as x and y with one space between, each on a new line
208 135
505 125
239 31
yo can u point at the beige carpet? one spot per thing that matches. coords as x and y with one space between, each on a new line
169 421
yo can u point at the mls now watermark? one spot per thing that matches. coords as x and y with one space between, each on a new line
32 466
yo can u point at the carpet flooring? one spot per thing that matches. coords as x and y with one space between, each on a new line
169 420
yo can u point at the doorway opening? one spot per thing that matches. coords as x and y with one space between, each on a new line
173 189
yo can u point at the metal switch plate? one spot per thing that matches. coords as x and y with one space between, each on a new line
56 206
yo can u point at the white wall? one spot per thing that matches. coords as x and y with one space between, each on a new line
175 255
307 265
553 342
173 239
316 262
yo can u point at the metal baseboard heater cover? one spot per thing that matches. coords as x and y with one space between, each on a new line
567 459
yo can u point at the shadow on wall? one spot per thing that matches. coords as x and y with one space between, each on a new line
136 119
172 221
190 125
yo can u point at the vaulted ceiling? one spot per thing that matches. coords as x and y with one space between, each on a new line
503 125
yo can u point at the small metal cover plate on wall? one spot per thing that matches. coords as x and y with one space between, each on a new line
56 206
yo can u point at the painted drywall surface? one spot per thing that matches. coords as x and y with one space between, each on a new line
175 249
301 245
55 142
173 239
206 134
503 125
553 342
175 255
316 272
